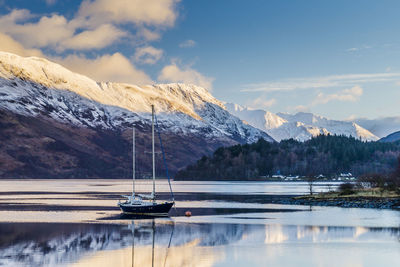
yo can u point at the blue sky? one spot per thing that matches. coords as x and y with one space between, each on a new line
340 59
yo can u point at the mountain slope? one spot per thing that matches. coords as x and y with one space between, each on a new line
83 116
381 127
301 126
393 137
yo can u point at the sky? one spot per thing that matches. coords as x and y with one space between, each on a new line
339 59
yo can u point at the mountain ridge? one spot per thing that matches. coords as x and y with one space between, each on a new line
189 104
301 126
393 137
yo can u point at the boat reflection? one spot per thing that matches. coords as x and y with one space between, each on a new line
158 253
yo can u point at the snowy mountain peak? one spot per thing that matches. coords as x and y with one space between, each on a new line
273 121
300 126
43 72
33 86
256 117
304 117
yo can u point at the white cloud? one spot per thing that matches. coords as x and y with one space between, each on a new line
148 55
352 117
100 37
172 73
57 32
149 12
147 34
296 109
322 82
301 108
50 2
113 68
97 24
187 43
262 103
8 44
48 31
348 95
357 49
15 15
353 49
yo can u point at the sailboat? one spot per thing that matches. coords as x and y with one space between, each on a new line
136 204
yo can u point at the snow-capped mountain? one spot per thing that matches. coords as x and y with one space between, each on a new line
258 118
30 86
36 88
331 126
301 126
381 127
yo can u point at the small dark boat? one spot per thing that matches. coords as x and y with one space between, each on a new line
147 208
135 205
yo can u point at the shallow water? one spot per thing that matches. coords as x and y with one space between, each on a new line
83 227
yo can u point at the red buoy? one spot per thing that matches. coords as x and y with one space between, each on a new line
188 214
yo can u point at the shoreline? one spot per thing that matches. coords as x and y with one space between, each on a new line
353 202
364 198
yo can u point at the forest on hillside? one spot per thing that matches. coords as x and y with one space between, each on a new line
328 155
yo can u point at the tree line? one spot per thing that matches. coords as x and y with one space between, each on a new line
328 155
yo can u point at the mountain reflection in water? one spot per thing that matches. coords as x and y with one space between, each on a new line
165 243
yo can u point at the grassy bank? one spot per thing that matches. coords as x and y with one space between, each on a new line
353 193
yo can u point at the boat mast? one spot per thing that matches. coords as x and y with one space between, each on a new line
133 162
152 150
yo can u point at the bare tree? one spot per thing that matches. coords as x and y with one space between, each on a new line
310 180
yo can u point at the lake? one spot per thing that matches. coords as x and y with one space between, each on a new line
77 223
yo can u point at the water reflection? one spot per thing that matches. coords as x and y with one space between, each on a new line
323 234
155 254
165 243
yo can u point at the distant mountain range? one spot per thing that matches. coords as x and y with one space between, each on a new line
301 126
56 123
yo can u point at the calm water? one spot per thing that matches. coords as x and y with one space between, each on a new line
75 223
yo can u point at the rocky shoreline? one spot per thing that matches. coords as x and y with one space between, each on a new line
346 202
